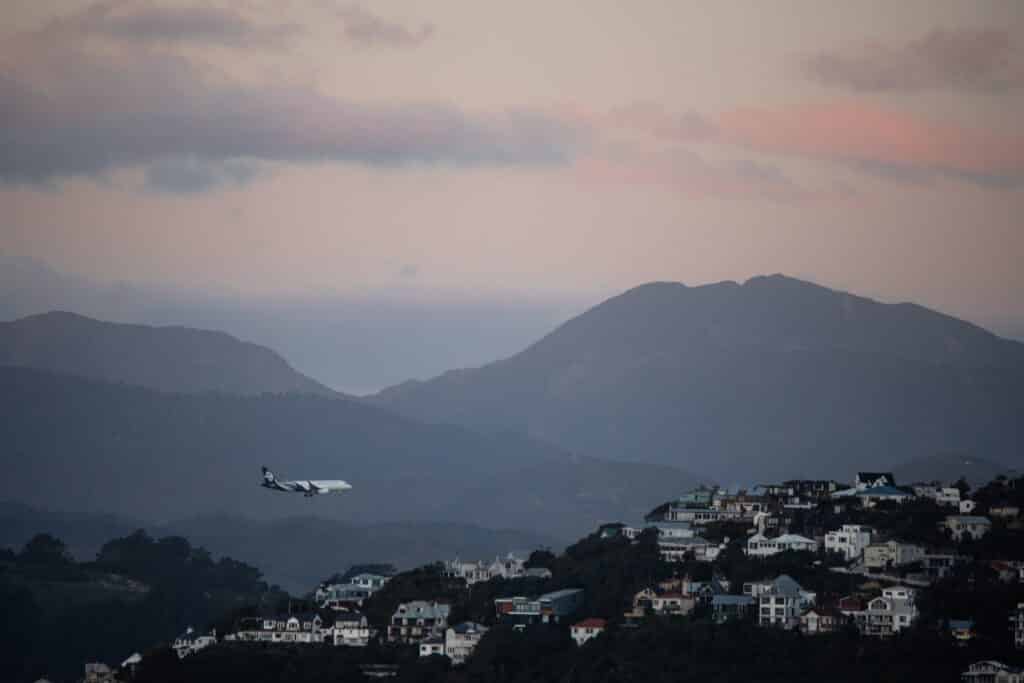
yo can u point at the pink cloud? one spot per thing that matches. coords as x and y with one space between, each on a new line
859 133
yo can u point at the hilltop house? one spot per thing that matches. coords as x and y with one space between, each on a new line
849 541
548 608
991 671
509 567
189 643
780 601
305 628
892 554
759 545
352 593
582 631
460 640
351 629
418 620
966 527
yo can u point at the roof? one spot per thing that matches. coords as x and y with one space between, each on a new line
883 491
722 600
592 622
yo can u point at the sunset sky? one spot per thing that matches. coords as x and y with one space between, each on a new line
518 151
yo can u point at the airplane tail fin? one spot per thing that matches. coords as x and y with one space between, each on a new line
268 476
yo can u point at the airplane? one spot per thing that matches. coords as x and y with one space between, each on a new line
307 487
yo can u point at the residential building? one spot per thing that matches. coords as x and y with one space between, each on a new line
868 480
873 495
781 601
189 643
732 607
460 640
991 671
548 608
651 601
585 630
351 629
849 541
418 620
759 545
1017 626
305 628
822 620
892 554
98 672
350 594
509 567
431 646
966 527
887 615
681 549
948 496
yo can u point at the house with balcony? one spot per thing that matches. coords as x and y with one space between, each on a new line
760 545
418 620
850 540
780 601
460 640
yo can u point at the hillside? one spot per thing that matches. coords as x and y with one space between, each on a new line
154 456
747 382
173 359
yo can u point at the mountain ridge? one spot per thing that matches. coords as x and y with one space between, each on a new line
721 378
169 358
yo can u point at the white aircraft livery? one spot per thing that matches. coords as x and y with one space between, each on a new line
308 487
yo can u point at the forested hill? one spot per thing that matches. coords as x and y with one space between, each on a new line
748 383
178 359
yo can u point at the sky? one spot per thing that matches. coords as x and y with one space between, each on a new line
532 157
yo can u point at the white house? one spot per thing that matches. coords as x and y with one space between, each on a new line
583 631
966 527
780 602
759 545
849 540
305 628
991 671
189 643
892 612
460 640
892 554
351 629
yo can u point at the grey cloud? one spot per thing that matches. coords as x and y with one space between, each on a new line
99 115
152 23
366 29
976 60
180 175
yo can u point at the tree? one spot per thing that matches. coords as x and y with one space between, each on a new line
44 549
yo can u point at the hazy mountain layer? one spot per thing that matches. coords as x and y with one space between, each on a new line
82 445
773 378
176 359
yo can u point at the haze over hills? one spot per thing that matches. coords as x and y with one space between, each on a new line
86 446
772 378
176 359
